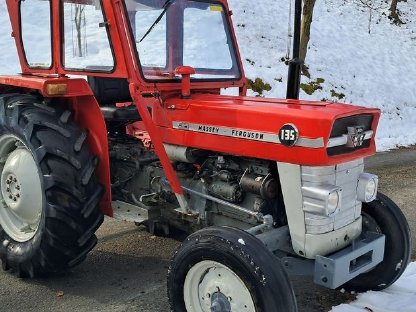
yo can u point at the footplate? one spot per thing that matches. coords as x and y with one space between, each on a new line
132 213
337 269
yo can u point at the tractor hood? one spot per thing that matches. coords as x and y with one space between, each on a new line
255 127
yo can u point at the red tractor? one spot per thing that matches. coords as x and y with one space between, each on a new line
267 186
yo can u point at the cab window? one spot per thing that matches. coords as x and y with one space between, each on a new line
36 32
86 44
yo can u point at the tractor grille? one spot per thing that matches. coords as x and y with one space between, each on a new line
340 129
343 175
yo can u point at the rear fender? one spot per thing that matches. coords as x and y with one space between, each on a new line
87 115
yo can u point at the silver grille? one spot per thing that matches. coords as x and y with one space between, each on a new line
343 175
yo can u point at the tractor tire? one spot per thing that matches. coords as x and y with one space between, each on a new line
383 216
225 269
49 192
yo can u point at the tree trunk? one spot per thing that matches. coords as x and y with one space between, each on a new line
307 16
394 15
78 20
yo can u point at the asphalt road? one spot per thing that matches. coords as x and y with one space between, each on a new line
127 269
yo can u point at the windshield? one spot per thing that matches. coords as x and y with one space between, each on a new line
172 33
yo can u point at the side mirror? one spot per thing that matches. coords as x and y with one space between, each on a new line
185 72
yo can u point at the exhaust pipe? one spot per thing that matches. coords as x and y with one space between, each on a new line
295 64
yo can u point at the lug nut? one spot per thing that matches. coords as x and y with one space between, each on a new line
18 195
14 198
8 182
10 196
17 187
14 180
7 190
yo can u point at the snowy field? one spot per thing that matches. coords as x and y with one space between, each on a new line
400 297
375 69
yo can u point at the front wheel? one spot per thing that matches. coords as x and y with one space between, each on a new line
224 269
383 216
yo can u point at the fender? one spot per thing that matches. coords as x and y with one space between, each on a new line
87 114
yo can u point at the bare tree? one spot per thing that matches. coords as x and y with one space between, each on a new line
307 16
79 10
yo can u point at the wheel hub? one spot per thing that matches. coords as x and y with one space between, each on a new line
13 189
211 286
21 193
220 303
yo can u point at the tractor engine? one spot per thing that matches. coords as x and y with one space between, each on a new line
221 188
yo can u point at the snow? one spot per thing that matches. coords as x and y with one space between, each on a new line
400 297
371 69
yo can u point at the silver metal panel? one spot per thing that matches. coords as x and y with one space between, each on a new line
245 134
344 176
343 139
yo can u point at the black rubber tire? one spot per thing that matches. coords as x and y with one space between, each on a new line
252 262
384 216
70 214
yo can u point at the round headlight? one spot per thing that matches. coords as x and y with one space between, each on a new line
370 190
333 201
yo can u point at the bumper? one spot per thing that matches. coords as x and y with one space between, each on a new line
337 269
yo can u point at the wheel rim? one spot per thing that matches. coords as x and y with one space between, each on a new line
21 193
213 287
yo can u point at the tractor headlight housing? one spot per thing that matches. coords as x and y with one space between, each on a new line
324 200
367 187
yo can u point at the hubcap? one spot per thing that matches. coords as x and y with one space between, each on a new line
213 287
21 194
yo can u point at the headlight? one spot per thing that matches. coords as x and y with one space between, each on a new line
333 201
324 200
367 187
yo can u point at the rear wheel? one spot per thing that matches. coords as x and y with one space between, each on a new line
385 217
49 194
224 269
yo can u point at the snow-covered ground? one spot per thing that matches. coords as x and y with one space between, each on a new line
400 297
376 69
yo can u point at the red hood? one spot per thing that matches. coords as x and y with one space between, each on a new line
314 120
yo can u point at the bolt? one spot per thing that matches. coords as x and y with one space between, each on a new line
17 187
18 195
11 178
8 190
208 295
14 198
14 180
8 181
217 289
230 299
10 196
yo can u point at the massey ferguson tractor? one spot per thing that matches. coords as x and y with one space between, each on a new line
265 187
